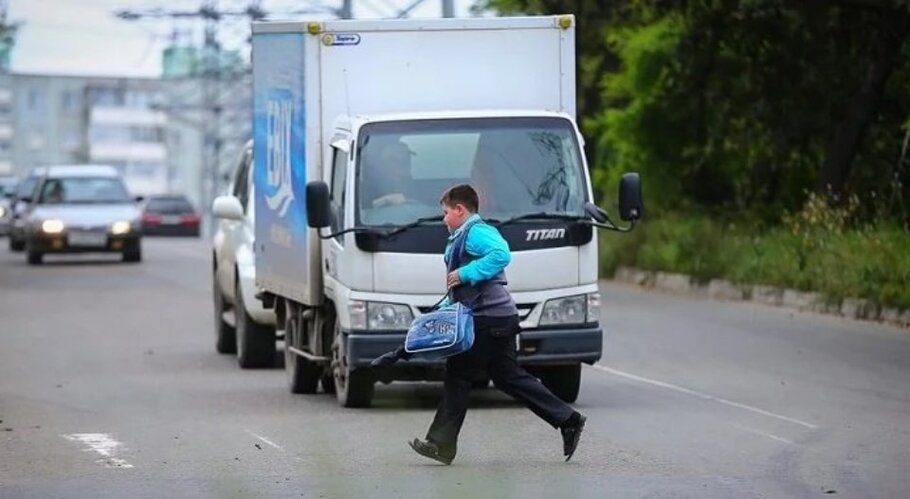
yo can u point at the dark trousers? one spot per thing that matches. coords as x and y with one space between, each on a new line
493 354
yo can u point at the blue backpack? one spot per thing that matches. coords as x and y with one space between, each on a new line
442 333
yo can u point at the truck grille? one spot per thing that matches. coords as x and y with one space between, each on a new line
524 309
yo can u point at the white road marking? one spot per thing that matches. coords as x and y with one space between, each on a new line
703 396
764 434
103 444
265 440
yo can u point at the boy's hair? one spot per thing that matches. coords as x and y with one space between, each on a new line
461 194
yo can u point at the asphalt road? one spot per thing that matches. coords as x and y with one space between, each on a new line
110 387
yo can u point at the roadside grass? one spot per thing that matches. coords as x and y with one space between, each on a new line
804 252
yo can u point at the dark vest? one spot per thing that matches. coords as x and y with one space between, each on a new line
487 298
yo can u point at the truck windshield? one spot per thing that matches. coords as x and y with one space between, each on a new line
517 165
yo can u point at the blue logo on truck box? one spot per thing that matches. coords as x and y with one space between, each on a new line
279 141
279 116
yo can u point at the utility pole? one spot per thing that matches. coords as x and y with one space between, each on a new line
210 105
211 73
448 8
347 9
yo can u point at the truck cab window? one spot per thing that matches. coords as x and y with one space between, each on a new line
339 178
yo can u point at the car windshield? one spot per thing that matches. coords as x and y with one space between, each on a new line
517 165
83 190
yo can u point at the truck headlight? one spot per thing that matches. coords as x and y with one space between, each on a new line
568 310
52 226
593 307
379 316
121 227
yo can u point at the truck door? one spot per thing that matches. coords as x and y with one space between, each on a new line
338 195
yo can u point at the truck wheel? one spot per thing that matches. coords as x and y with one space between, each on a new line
303 374
255 342
16 245
225 336
480 384
35 257
328 382
133 256
353 388
563 381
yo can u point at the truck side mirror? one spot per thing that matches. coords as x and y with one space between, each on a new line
596 212
318 207
630 207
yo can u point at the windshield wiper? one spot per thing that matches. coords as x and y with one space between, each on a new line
415 223
391 230
542 215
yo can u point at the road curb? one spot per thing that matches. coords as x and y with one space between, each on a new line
720 289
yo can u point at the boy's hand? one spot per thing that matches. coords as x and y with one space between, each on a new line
453 279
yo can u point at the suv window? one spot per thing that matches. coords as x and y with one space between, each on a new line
241 189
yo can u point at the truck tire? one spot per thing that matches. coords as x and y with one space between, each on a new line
563 381
302 373
16 245
225 336
480 384
35 257
132 256
255 342
328 383
353 387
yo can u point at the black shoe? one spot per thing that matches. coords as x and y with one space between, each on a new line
389 358
430 450
571 434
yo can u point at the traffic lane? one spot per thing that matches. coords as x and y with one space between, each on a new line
188 421
75 333
847 378
191 421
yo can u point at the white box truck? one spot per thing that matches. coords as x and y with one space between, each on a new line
359 126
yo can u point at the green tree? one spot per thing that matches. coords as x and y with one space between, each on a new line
745 104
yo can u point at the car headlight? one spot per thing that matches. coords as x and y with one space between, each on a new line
2 211
120 227
379 316
568 310
52 226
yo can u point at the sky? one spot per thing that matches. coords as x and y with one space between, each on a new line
83 37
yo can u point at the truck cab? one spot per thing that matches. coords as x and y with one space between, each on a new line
390 170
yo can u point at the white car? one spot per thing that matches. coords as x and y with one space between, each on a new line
242 324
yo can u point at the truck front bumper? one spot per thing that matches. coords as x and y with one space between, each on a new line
536 347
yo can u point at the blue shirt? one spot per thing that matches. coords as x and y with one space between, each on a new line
487 245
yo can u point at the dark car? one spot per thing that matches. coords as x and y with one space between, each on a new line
171 215
18 205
